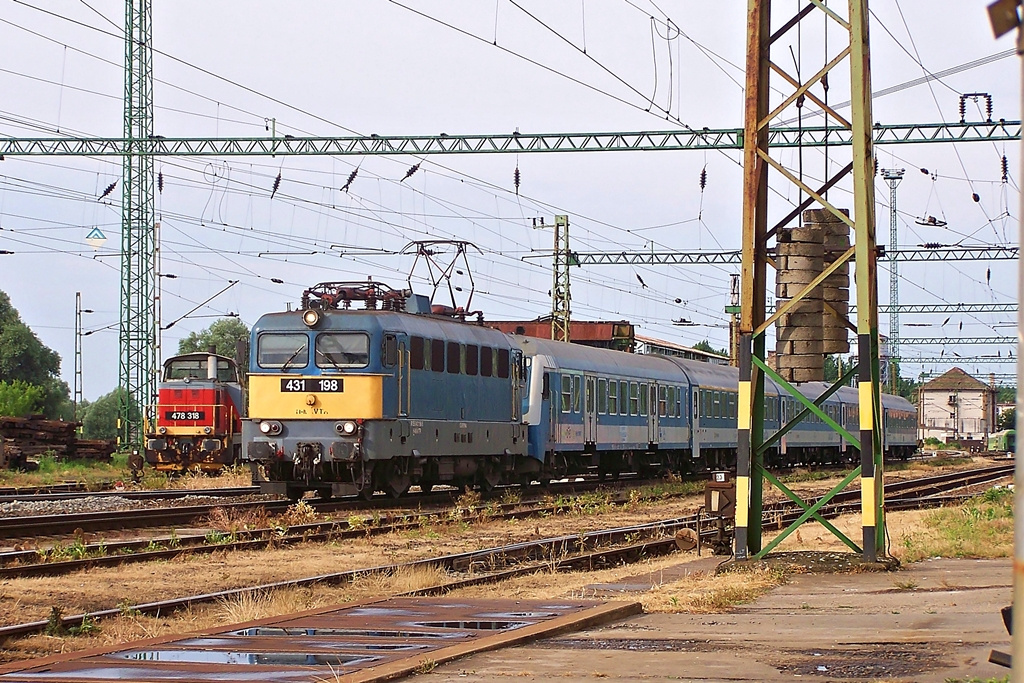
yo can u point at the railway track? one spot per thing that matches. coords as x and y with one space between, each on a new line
45 494
21 563
30 526
596 549
64 487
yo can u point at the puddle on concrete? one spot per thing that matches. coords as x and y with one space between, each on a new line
306 643
350 632
255 658
474 625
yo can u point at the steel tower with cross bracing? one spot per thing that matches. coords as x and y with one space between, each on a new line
137 331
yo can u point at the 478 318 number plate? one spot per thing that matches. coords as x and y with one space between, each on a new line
312 384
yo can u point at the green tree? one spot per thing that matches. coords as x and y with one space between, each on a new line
1007 419
18 399
222 335
24 358
706 347
99 418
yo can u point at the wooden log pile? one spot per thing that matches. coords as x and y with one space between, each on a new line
32 436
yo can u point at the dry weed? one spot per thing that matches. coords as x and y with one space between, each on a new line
260 604
712 593
298 514
232 519
404 580
233 476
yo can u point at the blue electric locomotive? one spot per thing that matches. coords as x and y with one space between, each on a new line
348 401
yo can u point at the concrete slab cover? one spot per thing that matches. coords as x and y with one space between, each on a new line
931 621
372 641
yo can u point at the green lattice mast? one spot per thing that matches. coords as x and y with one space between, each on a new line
137 332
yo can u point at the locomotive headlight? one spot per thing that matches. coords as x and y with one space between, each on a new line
347 428
271 427
311 317
162 430
207 430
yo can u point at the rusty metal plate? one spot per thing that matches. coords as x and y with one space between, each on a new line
364 642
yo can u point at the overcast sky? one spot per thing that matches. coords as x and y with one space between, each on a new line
416 68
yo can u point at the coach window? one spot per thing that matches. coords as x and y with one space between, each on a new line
486 361
566 393
577 381
643 399
732 405
716 404
623 397
663 400
416 353
613 397
679 401
503 363
705 402
280 350
602 396
634 398
472 359
453 358
437 355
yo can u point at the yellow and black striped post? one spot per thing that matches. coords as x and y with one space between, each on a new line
867 286
868 494
743 449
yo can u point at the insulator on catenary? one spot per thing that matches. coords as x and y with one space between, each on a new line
110 188
515 180
975 197
410 172
277 184
703 178
160 182
1006 168
351 177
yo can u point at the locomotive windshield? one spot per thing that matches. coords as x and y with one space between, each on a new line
195 368
282 351
342 350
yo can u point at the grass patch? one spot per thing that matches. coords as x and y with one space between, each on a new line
98 475
980 528
706 593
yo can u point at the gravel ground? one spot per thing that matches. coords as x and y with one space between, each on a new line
110 503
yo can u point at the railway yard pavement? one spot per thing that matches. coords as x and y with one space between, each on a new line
931 621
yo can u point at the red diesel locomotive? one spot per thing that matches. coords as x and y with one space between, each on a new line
198 421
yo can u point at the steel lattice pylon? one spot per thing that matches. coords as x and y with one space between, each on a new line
137 331
753 442
561 299
893 177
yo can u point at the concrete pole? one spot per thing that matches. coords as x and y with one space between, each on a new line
1017 639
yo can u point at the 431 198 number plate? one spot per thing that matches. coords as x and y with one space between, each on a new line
312 384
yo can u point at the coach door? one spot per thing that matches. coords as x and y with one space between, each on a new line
652 413
695 420
590 410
